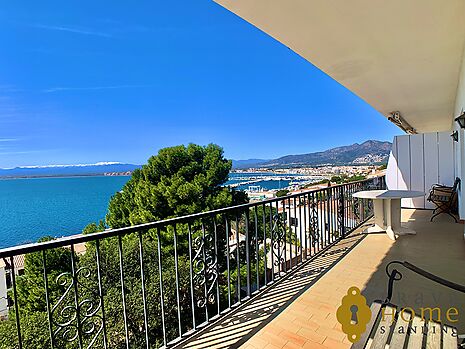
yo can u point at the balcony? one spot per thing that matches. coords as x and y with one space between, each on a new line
300 311
162 284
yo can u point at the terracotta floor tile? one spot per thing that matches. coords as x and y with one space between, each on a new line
277 340
334 344
293 337
291 345
272 346
307 324
312 335
331 333
313 345
258 342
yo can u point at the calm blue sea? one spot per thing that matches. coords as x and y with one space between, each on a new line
32 208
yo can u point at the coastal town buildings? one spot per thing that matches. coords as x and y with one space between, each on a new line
324 170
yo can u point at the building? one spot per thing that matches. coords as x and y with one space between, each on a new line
6 281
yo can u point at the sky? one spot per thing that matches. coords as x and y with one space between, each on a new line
92 81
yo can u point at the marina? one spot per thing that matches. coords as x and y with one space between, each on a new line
269 181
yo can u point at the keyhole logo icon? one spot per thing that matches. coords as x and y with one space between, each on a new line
354 310
353 314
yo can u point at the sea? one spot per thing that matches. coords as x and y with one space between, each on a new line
31 208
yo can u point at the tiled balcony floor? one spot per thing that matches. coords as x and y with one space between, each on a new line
300 312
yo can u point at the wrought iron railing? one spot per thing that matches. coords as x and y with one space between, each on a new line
153 284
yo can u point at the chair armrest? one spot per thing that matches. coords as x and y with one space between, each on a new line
395 275
442 187
432 277
441 192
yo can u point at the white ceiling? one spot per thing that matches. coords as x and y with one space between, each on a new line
397 55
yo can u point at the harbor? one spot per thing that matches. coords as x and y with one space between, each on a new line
261 186
270 181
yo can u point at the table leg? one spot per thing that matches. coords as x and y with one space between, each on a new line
378 213
393 220
392 208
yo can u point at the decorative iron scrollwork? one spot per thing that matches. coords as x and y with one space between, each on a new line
314 223
370 206
369 203
356 209
278 233
356 204
341 213
81 320
205 269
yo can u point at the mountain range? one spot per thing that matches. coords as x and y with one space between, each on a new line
369 152
68 170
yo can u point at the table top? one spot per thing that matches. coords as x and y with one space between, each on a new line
388 194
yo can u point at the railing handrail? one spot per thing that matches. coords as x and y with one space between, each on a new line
82 238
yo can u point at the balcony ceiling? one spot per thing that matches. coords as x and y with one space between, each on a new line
396 55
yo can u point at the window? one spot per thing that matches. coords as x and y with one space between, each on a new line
8 280
294 222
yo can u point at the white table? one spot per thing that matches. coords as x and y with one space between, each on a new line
386 205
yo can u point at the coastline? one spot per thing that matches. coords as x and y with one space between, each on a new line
63 176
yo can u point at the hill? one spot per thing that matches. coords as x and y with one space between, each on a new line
247 163
369 152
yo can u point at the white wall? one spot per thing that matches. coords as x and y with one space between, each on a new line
3 293
416 162
460 146
324 217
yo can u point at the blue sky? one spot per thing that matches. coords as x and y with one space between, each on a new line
90 81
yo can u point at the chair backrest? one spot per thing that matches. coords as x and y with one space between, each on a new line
456 184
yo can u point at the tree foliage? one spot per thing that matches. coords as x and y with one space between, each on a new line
31 287
344 178
282 192
178 181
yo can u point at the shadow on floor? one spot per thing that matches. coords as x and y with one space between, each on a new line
237 327
439 248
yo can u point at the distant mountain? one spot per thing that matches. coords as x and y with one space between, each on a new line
369 152
68 170
238 164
